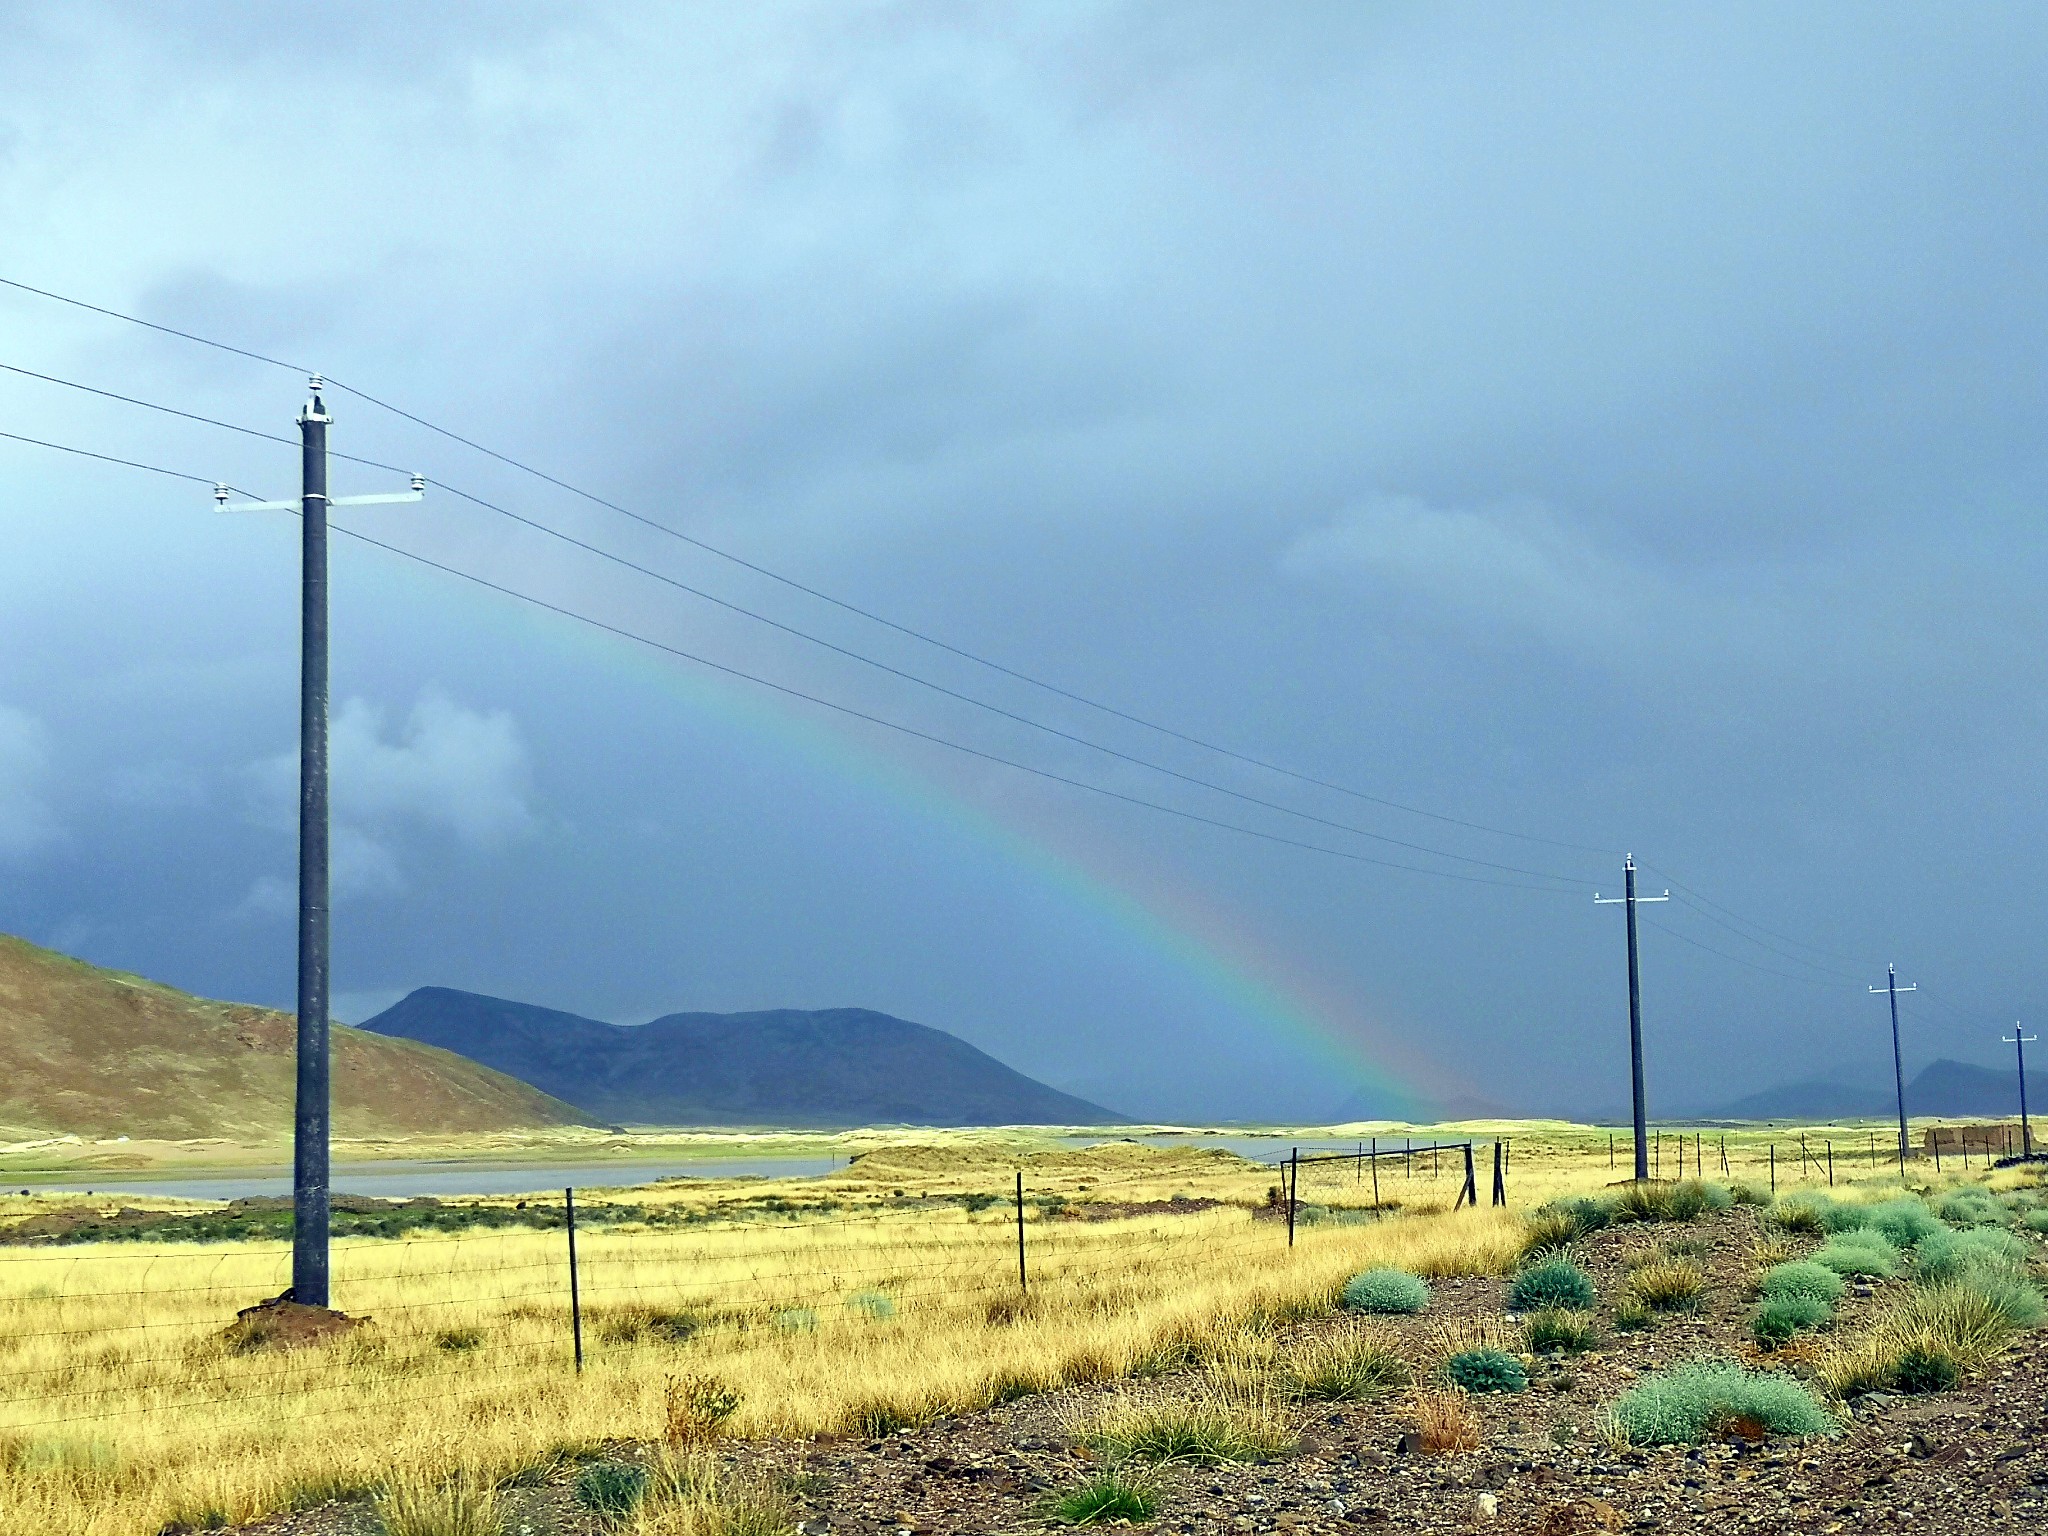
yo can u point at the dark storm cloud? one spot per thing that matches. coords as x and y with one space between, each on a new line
1611 423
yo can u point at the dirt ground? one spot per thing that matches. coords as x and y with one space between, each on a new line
1972 1460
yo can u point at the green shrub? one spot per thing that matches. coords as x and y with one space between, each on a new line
1946 1255
1972 1208
796 1320
1386 1291
1863 1253
1905 1222
1925 1367
1650 1200
611 1490
1553 1283
1719 1197
1758 1195
2018 1300
1553 1328
873 1304
1782 1316
1684 1406
1803 1277
1108 1496
1486 1370
2036 1220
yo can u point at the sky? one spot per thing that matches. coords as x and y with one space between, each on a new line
1516 437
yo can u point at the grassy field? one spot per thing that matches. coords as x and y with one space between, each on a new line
885 1294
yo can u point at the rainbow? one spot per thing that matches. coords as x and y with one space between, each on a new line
1206 946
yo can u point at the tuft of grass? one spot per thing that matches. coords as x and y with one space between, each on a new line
1386 1291
1444 1421
1207 1427
1758 1195
1972 1208
1548 1232
458 1340
713 1502
885 1413
1486 1370
1631 1313
1780 1317
1859 1251
1110 1495
1796 1214
1926 1365
1685 1406
1949 1255
1554 1283
1353 1365
1719 1197
1553 1329
1651 1200
1966 1321
1802 1277
611 1490
412 1504
1669 1284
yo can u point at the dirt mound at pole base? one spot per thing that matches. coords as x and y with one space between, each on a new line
281 1323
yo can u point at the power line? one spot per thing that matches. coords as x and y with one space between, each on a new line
845 651
909 631
859 714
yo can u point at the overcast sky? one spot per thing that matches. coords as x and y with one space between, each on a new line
1617 425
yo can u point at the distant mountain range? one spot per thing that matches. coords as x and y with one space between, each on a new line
1948 1089
786 1067
92 1052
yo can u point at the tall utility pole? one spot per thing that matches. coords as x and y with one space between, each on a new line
2020 1041
1635 1009
312 1114
1891 990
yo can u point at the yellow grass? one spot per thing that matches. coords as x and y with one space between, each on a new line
123 1409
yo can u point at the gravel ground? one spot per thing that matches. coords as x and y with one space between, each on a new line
1974 1460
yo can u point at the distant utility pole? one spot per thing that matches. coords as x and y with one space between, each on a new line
312 1110
1635 1009
1891 989
2020 1041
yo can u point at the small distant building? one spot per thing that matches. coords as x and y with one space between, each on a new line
2000 1140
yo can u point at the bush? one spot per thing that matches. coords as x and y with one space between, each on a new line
1859 1253
1548 1232
2035 1221
1632 1313
1753 1194
1780 1317
1925 1366
1552 1328
1796 1214
2018 1300
1904 1222
1684 1406
1445 1421
1553 1283
1972 1208
1111 1495
1803 1277
1386 1291
1948 1255
1354 1365
465 1505
611 1490
873 1304
1668 1285
1719 1197
1486 1370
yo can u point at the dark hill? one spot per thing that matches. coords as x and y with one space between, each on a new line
1944 1089
832 1067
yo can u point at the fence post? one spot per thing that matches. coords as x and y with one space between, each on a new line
1375 1173
1023 1281
1699 1169
1610 1150
1774 1167
1724 1151
1500 1174
1470 1189
575 1292
1937 1149
1293 1183
1831 1163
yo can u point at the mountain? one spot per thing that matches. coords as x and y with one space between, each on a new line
93 1052
1944 1089
833 1067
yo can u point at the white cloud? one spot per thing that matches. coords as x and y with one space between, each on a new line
26 822
460 770
443 768
1514 563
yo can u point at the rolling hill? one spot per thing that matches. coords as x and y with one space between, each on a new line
1945 1088
833 1067
94 1052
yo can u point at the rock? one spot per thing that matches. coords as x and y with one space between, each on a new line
1410 1443
1488 1504
1921 1445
